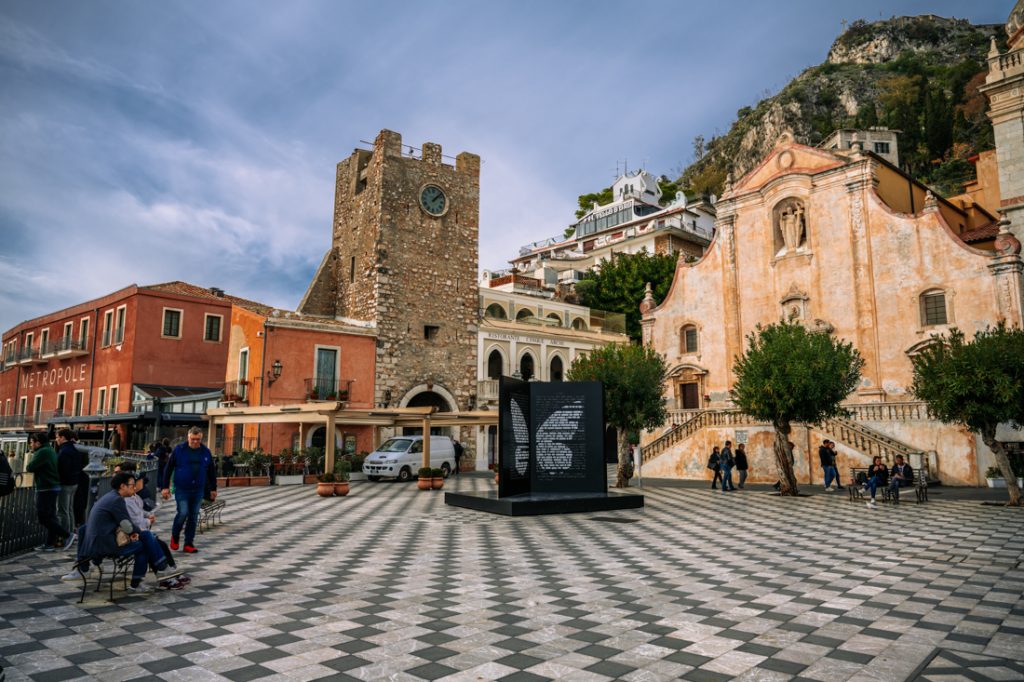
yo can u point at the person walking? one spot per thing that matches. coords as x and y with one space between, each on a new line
458 455
835 464
728 462
69 465
191 465
46 479
741 464
715 464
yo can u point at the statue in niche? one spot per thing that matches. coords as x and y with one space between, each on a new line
794 313
791 226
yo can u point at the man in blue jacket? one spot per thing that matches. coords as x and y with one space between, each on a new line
191 465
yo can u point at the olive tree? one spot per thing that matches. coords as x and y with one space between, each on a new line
789 374
978 384
632 377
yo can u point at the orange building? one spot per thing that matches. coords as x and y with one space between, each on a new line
278 357
142 361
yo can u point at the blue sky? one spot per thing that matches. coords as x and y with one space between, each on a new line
144 142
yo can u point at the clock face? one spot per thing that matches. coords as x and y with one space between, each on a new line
433 200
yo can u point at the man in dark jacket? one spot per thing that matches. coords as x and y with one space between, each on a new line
901 476
99 534
191 465
741 463
827 467
69 465
46 480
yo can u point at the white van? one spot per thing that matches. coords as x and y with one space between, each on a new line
402 456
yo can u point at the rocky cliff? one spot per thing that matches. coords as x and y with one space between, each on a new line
918 75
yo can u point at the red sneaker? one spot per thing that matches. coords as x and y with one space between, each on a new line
189 549
174 544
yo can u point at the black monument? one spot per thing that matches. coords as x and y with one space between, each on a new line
551 452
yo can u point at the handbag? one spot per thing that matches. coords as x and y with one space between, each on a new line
123 536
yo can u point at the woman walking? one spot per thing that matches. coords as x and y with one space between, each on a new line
715 464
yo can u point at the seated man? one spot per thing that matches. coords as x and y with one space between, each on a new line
901 476
877 475
98 537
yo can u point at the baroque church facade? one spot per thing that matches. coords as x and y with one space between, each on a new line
846 244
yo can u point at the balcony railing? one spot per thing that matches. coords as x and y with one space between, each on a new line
486 391
236 391
330 390
17 421
69 346
28 356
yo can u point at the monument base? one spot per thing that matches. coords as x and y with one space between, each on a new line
532 504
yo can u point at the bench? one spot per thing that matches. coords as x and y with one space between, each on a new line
122 566
856 491
209 514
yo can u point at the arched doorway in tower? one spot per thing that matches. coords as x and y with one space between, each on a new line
428 399
526 367
495 364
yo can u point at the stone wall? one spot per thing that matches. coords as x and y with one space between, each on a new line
395 265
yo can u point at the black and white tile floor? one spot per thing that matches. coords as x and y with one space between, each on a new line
389 583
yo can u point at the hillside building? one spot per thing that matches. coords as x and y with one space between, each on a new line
880 141
634 221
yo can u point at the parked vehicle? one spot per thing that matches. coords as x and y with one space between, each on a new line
400 456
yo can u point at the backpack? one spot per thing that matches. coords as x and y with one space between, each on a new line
713 461
7 482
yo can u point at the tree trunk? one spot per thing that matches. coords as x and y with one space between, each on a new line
783 452
988 435
620 475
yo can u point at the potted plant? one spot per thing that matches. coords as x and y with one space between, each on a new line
424 478
258 461
313 457
325 485
341 471
994 477
437 478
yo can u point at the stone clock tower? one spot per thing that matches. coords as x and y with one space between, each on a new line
404 258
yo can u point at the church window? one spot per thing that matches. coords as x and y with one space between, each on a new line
933 308
688 337
352 269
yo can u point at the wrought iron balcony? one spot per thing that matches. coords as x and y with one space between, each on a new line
28 356
21 422
237 391
69 346
329 390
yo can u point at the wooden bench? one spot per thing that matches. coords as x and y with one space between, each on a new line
209 514
122 566
856 491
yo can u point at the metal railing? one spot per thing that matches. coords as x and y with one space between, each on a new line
236 391
19 421
318 388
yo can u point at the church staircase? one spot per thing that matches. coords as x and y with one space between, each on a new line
848 431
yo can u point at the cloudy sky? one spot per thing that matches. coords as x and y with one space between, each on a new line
142 142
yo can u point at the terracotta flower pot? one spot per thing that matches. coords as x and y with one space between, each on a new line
437 483
341 489
423 483
325 489
309 478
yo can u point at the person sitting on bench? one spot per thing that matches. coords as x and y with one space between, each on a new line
902 475
877 476
98 537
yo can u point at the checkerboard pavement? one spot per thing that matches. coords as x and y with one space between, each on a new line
391 583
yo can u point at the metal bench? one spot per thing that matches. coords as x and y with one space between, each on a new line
210 514
122 566
856 491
